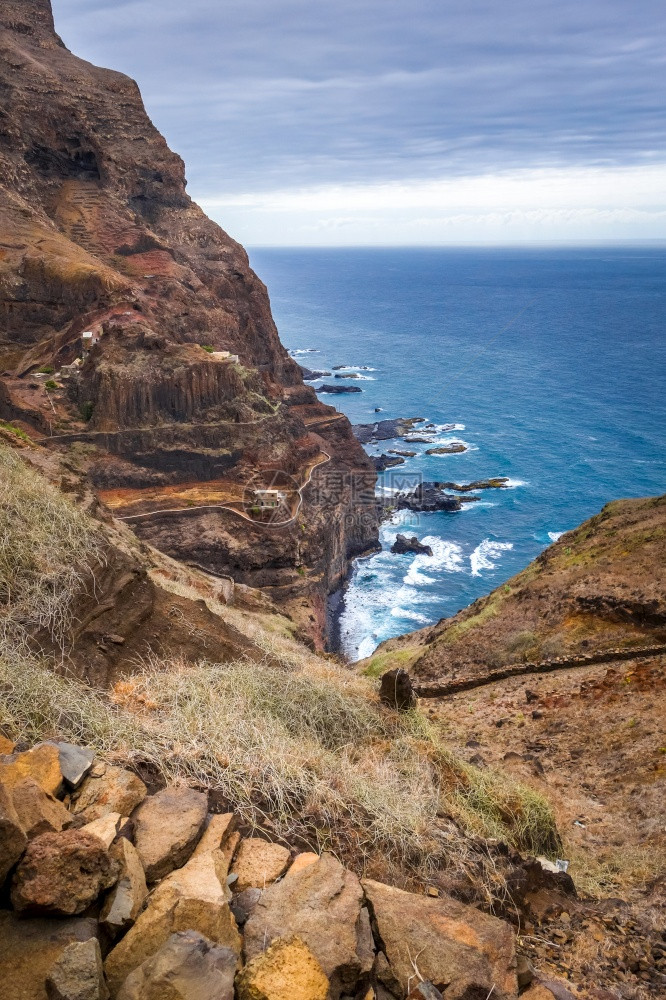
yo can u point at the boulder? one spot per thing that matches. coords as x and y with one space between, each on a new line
321 905
75 762
192 898
167 828
396 689
460 950
105 828
258 863
302 861
287 970
61 874
123 903
38 812
13 840
187 967
108 789
403 544
42 763
30 948
77 973
218 830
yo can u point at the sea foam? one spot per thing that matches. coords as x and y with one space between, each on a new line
483 555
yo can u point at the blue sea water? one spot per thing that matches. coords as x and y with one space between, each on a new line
551 361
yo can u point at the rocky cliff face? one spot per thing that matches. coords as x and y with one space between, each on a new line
97 234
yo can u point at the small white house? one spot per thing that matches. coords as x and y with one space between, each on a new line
269 499
89 339
224 356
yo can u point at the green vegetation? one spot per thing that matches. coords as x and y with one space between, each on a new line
381 662
86 409
12 429
208 347
51 384
46 370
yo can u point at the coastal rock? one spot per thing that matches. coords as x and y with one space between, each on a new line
42 764
347 375
108 789
321 905
188 966
462 951
385 430
167 828
61 874
287 970
396 690
311 376
402 545
29 950
13 840
425 497
403 454
338 388
77 973
38 812
123 903
456 448
258 863
383 462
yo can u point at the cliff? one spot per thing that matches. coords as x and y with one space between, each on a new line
98 235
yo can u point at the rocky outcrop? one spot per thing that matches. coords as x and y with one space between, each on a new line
403 545
338 389
384 462
183 380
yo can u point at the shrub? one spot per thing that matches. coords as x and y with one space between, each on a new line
45 370
86 409
51 384
208 347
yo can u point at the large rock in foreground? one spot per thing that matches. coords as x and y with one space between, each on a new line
78 973
13 840
61 874
322 905
463 952
29 949
108 789
187 967
286 971
167 828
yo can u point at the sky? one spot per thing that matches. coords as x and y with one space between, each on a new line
346 122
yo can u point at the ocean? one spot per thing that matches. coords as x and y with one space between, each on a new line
551 364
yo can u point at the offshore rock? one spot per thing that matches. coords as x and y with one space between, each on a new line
403 545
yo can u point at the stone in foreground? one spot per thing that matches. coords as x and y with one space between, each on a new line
259 863
41 763
287 970
187 967
108 789
167 828
13 840
38 812
123 904
462 951
321 905
75 762
78 973
30 948
61 874
396 690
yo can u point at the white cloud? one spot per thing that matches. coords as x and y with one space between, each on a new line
534 204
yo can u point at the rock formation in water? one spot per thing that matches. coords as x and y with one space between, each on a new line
180 397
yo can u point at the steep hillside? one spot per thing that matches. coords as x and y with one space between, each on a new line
98 236
599 588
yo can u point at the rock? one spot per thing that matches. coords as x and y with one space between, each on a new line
310 375
244 903
13 840
167 828
542 992
75 762
61 874
302 861
447 449
105 828
77 973
385 430
187 967
6 745
30 948
321 905
460 950
123 903
338 388
524 972
259 863
425 497
218 830
403 454
348 375
108 789
383 462
425 991
287 970
402 544
38 812
42 763
396 689
192 898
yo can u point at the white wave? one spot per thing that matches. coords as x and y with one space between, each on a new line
413 616
441 441
367 646
512 483
446 557
554 535
354 368
483 555
359 378
306 350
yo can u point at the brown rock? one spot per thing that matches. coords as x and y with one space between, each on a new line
322 905
105 828
42 763
219 829
13 840
123 903
167 828
459 948
259 863
425 991
61 874
302 861
29 949
537 992
287 970
187 967
38 812
6 745
192 898
77 974
108 789
396 689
